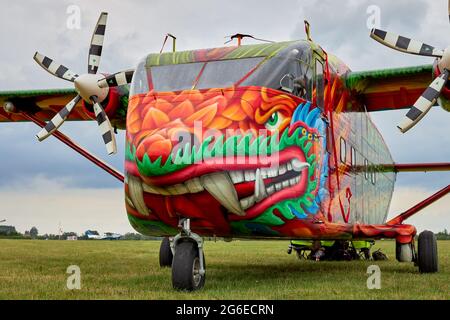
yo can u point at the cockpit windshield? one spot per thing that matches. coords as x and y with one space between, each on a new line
289 69
201 75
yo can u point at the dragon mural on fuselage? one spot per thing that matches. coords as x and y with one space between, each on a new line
242 160
246 135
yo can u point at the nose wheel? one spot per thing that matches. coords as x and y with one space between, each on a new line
188 265
165 253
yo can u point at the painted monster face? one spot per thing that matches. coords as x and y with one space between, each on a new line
238 158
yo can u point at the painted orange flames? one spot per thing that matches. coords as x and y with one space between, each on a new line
155 118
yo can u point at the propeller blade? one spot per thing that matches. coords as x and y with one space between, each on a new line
56 69
403 44
117 79
95 50
105 127
424 103
58 119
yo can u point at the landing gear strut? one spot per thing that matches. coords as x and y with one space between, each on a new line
404 252
188 266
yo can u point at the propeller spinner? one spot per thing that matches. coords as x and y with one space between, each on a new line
91 87
432 93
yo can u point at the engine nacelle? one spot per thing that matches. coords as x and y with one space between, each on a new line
110 104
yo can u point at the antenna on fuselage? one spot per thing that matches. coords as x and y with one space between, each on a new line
174 40
240 36
307 30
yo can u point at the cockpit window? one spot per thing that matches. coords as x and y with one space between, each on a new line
174 77
290 69
225 73
139 84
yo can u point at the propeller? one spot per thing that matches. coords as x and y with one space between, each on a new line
430 96
117 79
88 87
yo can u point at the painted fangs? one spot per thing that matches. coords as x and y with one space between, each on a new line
260 188
154 189
239 176
137 195
220 186
297 165
194 185
262 192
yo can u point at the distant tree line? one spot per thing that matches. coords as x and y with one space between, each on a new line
9 232
443 235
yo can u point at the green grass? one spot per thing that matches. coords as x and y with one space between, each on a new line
236 270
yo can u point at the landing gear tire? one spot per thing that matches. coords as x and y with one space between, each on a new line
165 253
186 273
404 252
427 255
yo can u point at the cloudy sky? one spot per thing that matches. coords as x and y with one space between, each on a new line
45 184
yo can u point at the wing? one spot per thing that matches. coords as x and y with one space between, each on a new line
390 89
44 104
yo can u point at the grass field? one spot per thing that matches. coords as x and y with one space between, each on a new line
237 270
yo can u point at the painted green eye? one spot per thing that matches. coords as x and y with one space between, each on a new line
273 119
274 122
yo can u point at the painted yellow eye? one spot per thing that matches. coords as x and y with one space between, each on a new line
274 122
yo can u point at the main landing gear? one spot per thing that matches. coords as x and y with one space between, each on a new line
426 257
165 253
185 254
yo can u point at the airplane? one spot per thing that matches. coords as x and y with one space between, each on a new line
111 236
4 220
94 235
257 141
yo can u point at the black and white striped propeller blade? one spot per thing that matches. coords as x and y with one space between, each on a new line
58 119
424 103
56 69
106 129
117 79
404 44
95 49
87 87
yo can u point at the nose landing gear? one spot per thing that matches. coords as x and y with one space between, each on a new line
188 265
